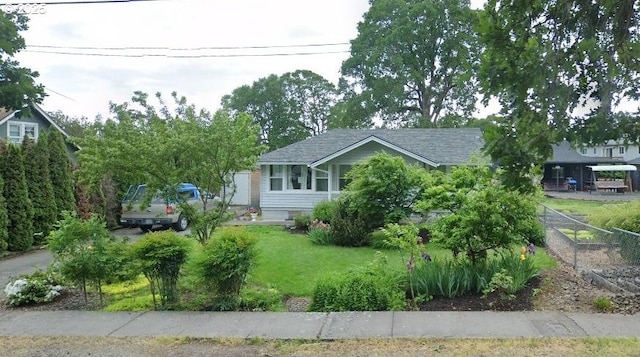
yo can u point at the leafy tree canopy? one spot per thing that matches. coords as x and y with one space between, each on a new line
414 61
287 108
563 67
17 85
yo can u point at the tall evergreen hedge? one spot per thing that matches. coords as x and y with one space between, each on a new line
4 233
60 173
16 194
36 169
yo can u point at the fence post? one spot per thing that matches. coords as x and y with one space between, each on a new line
575 245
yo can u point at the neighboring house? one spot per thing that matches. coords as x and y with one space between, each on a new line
296 177
31 123
572 163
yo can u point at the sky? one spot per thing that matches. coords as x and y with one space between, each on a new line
83 85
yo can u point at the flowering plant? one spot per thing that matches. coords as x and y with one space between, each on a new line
31 290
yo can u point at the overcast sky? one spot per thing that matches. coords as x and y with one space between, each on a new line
82 85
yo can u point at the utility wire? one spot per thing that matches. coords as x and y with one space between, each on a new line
184 56
127 48
78 2
58 93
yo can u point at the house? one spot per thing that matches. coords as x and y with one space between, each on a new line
14 127
570 163
296 177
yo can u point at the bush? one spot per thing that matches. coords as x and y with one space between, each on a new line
37 288
358 291
225 263
348 228
301 222
324 211
319 233
624 216
160 256
603 303
378 240
260 300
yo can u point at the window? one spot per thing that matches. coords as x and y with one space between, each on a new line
299 178
595 151
342 181
275 177
608 152
322 178
621 150
558 172
583 150
16 131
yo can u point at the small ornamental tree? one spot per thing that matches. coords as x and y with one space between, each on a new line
383 189
160 256
60 172
86 252
483 214
16 194
36 158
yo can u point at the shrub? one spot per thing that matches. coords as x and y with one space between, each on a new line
624 216
224 264
260 299
86 251
302 221
160 256
319 233
60 171
378 240
358 291
324 211
37 288
348 228
16 195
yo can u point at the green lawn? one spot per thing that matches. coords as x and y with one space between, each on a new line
291 264
573 206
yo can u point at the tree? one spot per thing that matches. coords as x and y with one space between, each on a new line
287 108
74 126
383 189
483 215
36 168
17 85
16 194
163 148
544 60
4 220
60 172
415 60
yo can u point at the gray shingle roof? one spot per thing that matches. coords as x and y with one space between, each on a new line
442 146
564 154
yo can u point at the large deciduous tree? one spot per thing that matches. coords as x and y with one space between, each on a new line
17 85
414 61
287 108
563 67
16 194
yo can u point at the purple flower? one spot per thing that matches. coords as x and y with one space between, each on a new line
426 257
531 249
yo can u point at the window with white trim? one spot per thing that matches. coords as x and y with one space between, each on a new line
342 180
583 150
595 151
621 150
17 130
608 152
299 177
322 178
275 177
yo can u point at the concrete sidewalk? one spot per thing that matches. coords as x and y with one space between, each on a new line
323 326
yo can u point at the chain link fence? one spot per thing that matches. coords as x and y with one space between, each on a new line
586 247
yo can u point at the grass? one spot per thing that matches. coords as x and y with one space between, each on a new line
150 346
291 264
573 206
580 234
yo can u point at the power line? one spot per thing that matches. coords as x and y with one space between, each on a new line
127 48
141 55
79 2
58 93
